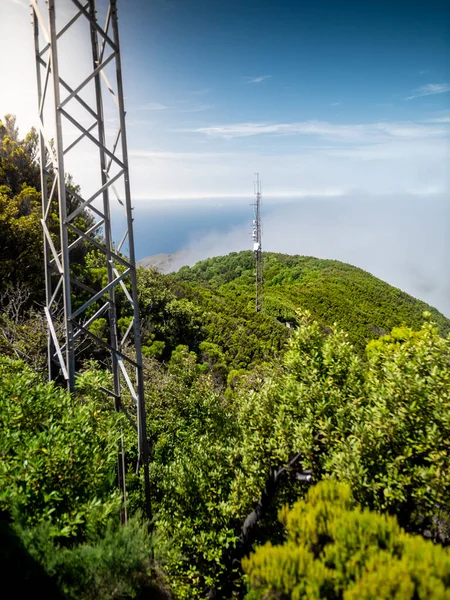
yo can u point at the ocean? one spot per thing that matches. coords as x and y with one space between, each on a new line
166 227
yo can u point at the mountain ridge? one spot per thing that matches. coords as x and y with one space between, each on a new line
334 292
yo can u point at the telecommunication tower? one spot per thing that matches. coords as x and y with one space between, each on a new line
78 65
257 247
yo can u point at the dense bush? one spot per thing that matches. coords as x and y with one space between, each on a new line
346 417
21 237
336 550
221 328
117 564
381 424
58 456
193 434
362 305
397 456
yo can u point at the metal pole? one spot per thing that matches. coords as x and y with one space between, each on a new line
112 313
257 247
62 201
142 425
44 195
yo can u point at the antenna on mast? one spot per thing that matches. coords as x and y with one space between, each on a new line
257 247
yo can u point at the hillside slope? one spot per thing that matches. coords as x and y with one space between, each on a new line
334 292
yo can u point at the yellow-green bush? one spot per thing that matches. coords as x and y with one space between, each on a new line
336 550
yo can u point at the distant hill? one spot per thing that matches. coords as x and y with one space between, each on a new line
334 292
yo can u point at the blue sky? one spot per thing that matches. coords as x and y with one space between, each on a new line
286 61
275 79
321 97
308 56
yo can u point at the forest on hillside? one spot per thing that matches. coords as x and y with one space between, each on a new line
298 453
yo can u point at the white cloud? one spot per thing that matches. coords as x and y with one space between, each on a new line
154 106
258 79
429 89
184 156
438 120
370 132
392 167
335 103
195 109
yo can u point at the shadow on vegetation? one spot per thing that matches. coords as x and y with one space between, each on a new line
25 578
19 572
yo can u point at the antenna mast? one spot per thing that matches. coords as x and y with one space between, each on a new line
71 112
257 247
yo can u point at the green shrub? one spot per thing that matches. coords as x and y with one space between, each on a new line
58 455
397 456
117 565
382 425
335 550
334 292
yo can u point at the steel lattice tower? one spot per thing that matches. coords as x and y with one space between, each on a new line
257 247
72 118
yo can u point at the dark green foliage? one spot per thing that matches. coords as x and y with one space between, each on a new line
22 250
193 434
397 457
362 305
117 565
381 424
17 166
220 270
19 571
21 238
221 328
58 455
354 419
58 458
169 317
